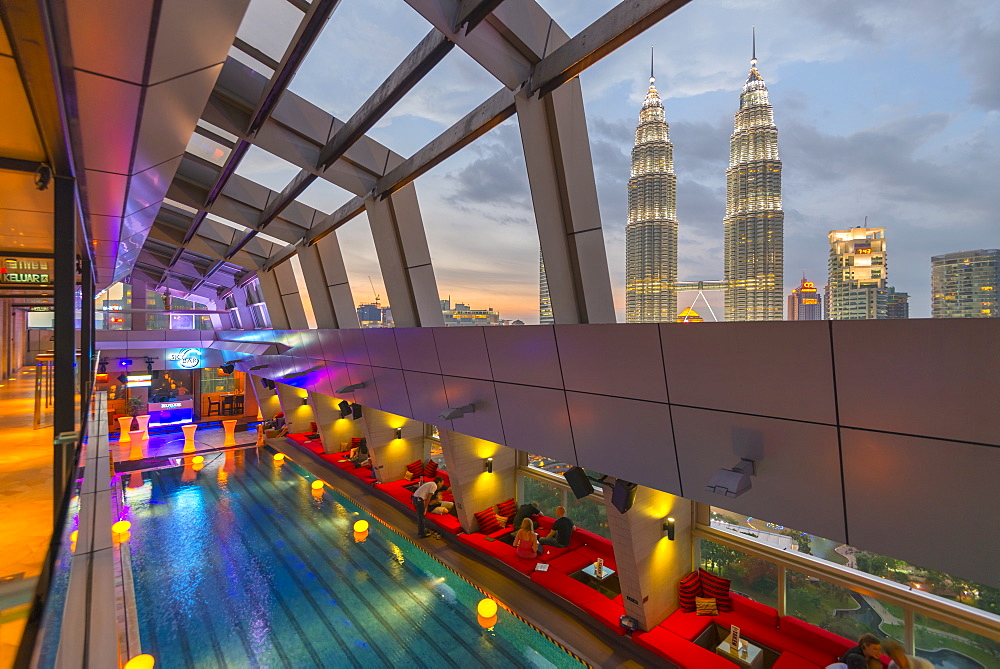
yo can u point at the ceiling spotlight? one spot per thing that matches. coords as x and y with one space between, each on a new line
457 412
351 388
733 482
149 364
102 366
263 383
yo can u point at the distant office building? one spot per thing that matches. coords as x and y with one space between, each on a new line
965 284
545 316
805 303
689 315
897 305
651 230
463 314
507 321
858 269
373 315
754 222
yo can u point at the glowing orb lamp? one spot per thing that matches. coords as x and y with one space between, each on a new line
487 608
278 457
359 537
361 526
317 485
198 459
487 623
121 527
141 662
73 535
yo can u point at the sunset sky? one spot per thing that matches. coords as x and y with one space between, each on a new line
889 110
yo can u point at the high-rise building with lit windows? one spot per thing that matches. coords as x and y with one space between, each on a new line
754 222
965 284
805 303
858 273
545 316
651 231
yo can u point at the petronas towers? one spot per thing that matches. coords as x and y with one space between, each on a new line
753 223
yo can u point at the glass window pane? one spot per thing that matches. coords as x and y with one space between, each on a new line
945 645
544 494
209 150
751 576
839 610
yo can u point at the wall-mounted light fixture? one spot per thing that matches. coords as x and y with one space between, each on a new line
351 388
488 465
305 401
457 412
399 433
668 528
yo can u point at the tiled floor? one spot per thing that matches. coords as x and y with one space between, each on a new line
25 505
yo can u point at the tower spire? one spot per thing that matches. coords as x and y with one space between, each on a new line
651 77
753 56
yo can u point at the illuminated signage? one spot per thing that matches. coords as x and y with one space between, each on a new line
26 270
139 381
185 358
808 287
863 250
170 405
810 301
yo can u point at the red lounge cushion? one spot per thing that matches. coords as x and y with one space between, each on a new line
717 587
790 660
416 468
577 559
813 643
335 460
757 622
552 552
507 508
687 625
500 550
745 608
690 587
487 521
608 611
445 521
312 428
681 652
430 469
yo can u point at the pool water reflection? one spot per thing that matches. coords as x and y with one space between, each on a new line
241 563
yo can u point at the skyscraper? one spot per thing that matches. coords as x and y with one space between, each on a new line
965 284
805 303
858 269
754 222
545 316
897 305
651 231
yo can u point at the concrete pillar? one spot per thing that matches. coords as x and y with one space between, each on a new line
298 415
272 298
404 258
336 432
291 298
391 455
326 279
474 489
564 197
267 401
649 564
138 303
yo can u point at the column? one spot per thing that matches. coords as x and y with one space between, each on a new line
272 298
649 564
326 279
391 455
297 415
564 197
404 258
267 400
473 488
291 298
64 330
334 430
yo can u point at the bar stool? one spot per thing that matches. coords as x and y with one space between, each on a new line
218 408
126 424
188 431
227 405
143 425
237 405
229 426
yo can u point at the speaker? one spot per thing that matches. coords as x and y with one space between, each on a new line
356 411
623 495
578 481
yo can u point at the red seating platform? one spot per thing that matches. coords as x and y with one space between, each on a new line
608 611
680 651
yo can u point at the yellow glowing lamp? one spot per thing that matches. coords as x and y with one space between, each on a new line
487 608
317 485
143 661
278 457
73 535
121 527
198 459
361 526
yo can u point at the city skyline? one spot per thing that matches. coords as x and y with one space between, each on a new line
864 132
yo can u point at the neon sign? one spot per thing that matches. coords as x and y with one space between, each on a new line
170 405
186 358
26 270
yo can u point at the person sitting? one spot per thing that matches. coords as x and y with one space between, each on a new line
900 660
280 425
438 504
562 530
525 511
526 541
359 454
866 655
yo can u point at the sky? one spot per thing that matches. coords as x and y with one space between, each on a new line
886 110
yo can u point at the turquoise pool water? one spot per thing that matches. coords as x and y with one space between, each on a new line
240 565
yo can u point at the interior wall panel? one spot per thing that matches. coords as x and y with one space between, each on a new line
417 351
619 360
462 352
525 355
536 420
485 421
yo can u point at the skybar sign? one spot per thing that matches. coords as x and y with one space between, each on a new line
26 271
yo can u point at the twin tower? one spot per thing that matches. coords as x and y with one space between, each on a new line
753 224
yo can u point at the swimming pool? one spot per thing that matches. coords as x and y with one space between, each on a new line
240 564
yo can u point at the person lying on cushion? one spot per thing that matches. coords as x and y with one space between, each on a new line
562 530
438 504
866 655
526 541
